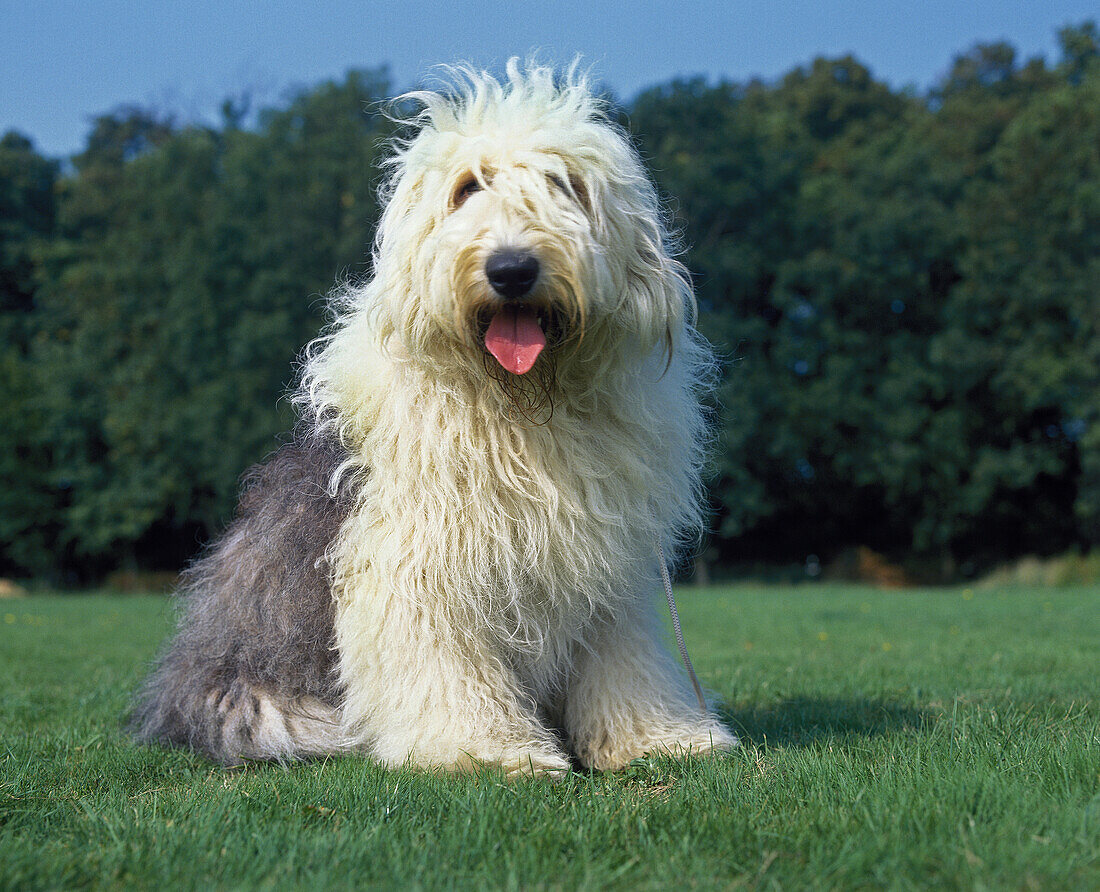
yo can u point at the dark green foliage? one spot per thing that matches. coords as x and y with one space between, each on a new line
27 212
904 289
187 274
27 222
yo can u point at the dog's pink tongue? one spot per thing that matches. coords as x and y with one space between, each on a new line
515 338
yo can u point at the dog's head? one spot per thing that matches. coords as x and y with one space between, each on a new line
521 231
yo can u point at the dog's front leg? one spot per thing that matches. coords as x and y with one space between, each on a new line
419 692
627 697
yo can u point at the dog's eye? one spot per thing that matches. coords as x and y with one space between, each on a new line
465 189
575 189
580 191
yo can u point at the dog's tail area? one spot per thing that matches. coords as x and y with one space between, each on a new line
229 719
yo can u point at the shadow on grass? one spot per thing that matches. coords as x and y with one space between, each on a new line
804 721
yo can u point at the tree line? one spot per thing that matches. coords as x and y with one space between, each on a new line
904 288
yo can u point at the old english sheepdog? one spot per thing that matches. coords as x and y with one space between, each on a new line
454 564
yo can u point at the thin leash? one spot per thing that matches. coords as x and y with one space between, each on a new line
676 627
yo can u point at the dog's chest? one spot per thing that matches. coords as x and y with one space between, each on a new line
526 531
538 520
567 521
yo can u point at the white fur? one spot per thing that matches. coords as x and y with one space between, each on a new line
497 574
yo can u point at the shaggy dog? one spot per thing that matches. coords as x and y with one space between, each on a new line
454 565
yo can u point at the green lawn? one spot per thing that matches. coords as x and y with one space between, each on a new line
945 738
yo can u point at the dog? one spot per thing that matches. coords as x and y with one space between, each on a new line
453 564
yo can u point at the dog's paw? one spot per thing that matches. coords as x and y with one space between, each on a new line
543 765
611 753
513 759
709 741
525 763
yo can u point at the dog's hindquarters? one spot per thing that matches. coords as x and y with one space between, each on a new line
231 719
250 673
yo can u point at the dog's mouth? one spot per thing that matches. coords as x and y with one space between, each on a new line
515 334
521 341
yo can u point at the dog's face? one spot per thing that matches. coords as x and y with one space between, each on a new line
521 231
527 265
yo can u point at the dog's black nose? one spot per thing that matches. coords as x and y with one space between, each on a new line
512 273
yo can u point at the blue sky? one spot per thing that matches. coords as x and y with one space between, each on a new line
62 62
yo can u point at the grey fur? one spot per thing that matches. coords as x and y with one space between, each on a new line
255 647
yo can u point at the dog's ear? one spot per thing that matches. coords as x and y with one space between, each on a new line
656 300
403 206
659 290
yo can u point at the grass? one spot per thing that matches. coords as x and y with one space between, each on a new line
946 738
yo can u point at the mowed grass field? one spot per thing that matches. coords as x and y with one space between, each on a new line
934 738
